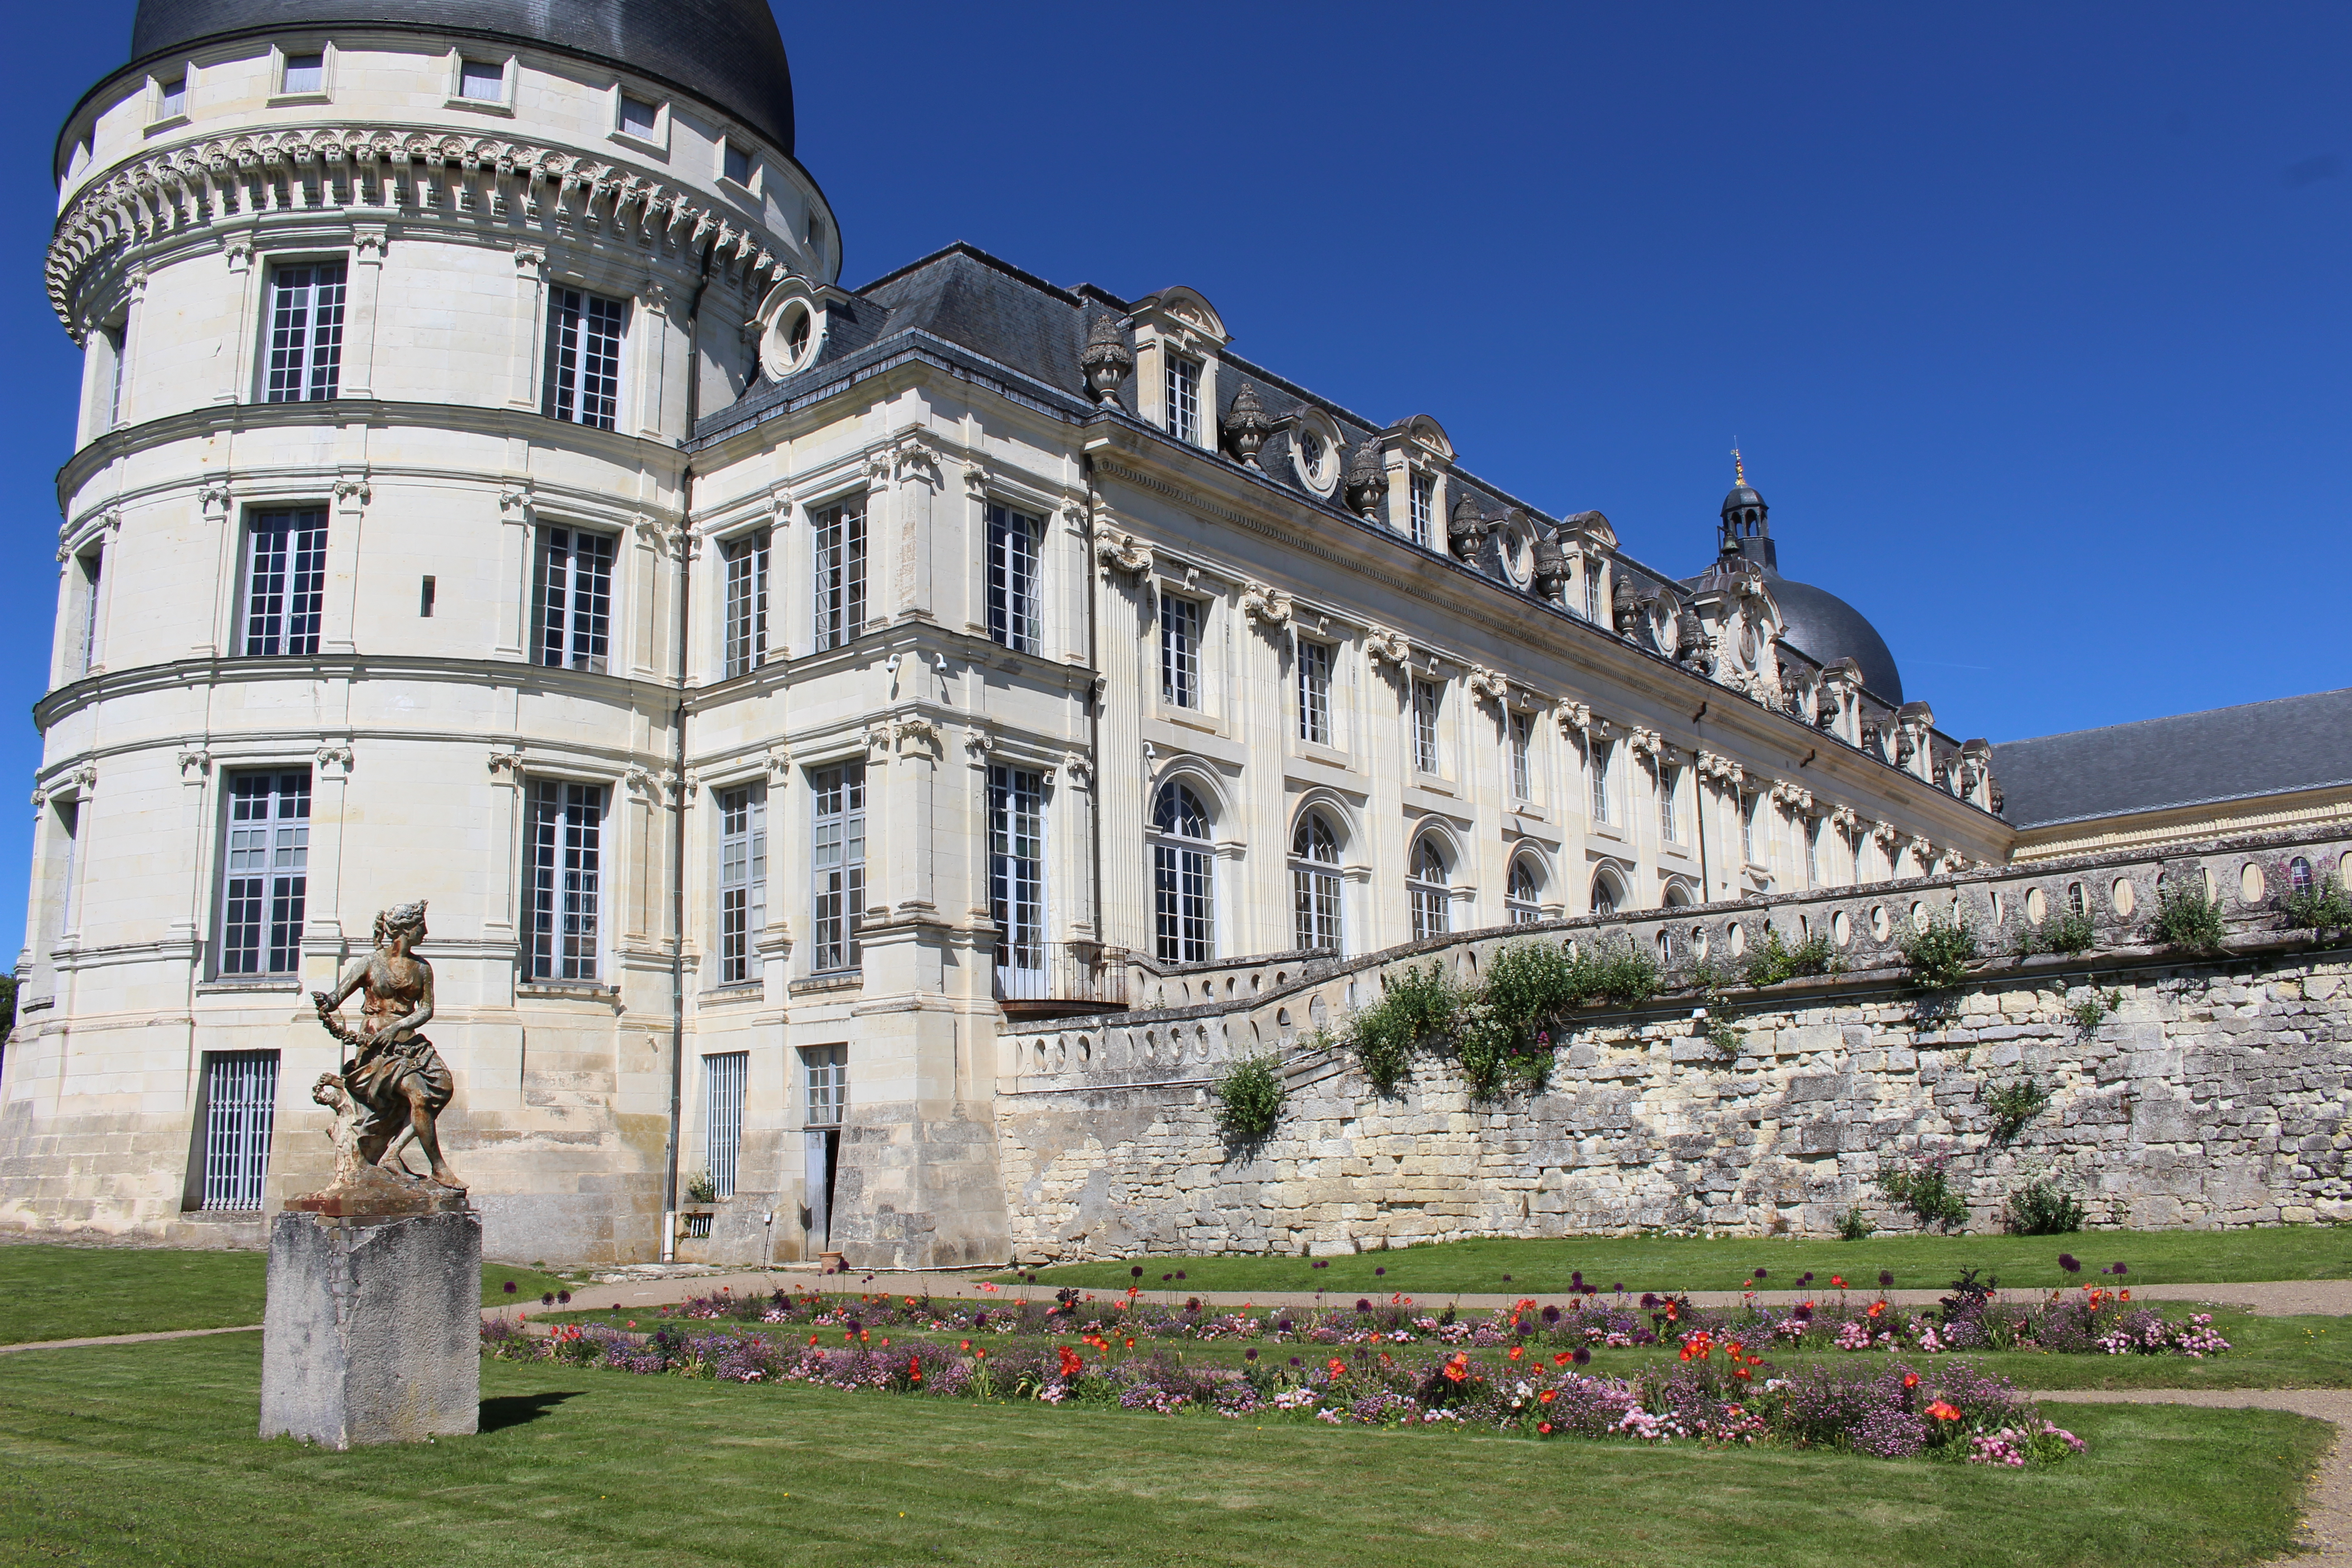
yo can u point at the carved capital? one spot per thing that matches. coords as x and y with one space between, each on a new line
215 497
352 492
509 760
532 259
1268 606
1487 684
1382 645
1117 551
1575 718
515 497
196 763
335 761
1077 770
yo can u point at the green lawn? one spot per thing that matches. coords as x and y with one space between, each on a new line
1660 1263
145 1454
51 1292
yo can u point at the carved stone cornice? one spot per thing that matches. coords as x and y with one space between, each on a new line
1575 718
1487 684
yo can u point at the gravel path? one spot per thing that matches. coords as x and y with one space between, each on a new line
127 1339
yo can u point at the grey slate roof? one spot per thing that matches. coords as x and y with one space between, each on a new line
727 52
2222 754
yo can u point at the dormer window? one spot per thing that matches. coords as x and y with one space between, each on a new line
172 98
1424 493
1184 399
1310 453
304 73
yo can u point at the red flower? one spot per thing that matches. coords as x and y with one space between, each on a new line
1338 1367
1547 1396
1910 1380
1071 1364
1544 1427
1876 1307
1943 1412
1517 1351
1837 1280
1561 1359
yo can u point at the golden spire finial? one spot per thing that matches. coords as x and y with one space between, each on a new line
1738 469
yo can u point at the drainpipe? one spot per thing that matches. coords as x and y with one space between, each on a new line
1094 717
1698 799
677 770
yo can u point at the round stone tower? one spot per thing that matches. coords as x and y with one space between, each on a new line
396 317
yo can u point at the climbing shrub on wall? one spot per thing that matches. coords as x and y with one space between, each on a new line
1939 955
1421 1011
2186 918
1250 1099
1506 1027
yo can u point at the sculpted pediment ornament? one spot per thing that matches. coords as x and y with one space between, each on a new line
1644 742
1269 606
1487 684
1119 552
1382 645
1574 718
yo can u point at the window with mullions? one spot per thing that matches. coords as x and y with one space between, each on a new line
1315 693
724 1079
1592 591
742 881
746 601
1315 884
837 855
1670 785
306 332
1184 399
1523 773
265 872
1180 882
1428 698
1748 827
1519 897
1016 877
1424 493
1813 854
583 358
1425 886
1179 651
840 544
285 582
1013 617
563 879
573 598
92 564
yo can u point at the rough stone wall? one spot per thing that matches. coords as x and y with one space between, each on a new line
2215 1096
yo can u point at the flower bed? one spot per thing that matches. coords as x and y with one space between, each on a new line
1710 1395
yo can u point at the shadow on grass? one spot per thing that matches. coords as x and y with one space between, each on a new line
515 1409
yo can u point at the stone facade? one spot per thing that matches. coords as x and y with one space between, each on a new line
2215 1094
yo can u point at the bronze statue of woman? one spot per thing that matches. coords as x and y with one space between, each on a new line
396 1075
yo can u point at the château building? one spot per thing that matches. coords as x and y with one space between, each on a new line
487 492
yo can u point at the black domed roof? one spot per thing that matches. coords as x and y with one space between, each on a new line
1742 495
1827 627
726 52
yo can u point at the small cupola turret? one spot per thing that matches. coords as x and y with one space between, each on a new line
1746 528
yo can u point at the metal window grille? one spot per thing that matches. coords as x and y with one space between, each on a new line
1013 578
1426 889
1523 782
742 879
838 855
285 582
1423 491
1602 754
1181 880
840 536
1670 781
1520 901
1425 700
826 1070
1016 876
265 872
723 1078
1315 884
1315 693
583 358
91 564
564 879
1179 651
574 598
305 333
746 601
240 1100
1183 398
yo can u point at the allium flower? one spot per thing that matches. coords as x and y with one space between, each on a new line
564 1296
2121 1269
1249 1355
1379 1271
547 1299
1886 1279
1583 1356
509 1286
2070 1263
1759 1273
1551 1314
1649 1299
1136 1272
1364 1304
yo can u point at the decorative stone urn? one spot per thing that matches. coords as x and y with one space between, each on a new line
1107 359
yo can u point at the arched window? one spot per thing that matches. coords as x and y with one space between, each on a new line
1677 895
1180 877
2298 874
1519 897
1426 887
1606 894
1315 883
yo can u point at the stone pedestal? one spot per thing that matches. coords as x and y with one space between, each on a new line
373 1333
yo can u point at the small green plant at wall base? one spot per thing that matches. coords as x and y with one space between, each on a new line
2326 906
1250 1098
1776 960
2186 918
2094 1010
2039 1208
1926 1191
2013 1105
1726 1039
1939 956
1855 1225
702 1188
2066 932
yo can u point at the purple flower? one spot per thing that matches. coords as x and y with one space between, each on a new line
2070 1263
1364 1304
1379 1272
1582 1357
1886 1279
1136 1272
1249 1355
1179 1274
1507 1280
1649 1299
1619 1288
1551 1315
1760 1274
1281 1325
547 1299
979 1319
510 1288
1293 1361
2123 1269
564 1296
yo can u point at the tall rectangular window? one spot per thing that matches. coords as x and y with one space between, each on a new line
90 562
1423 492
1179 651
1184 399
838 858
583 358
69 856
285 582
564 879
1602 754
840 544
111 343
573 598
1017 877
742 881
240 1103
724 1078
306 332
1315 693
1427 699
1592 591
265 872
1522 773
1813 854
1670 781
1013 617
746 601
1748 827
826 1070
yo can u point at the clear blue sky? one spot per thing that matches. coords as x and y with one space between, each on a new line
2032 320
